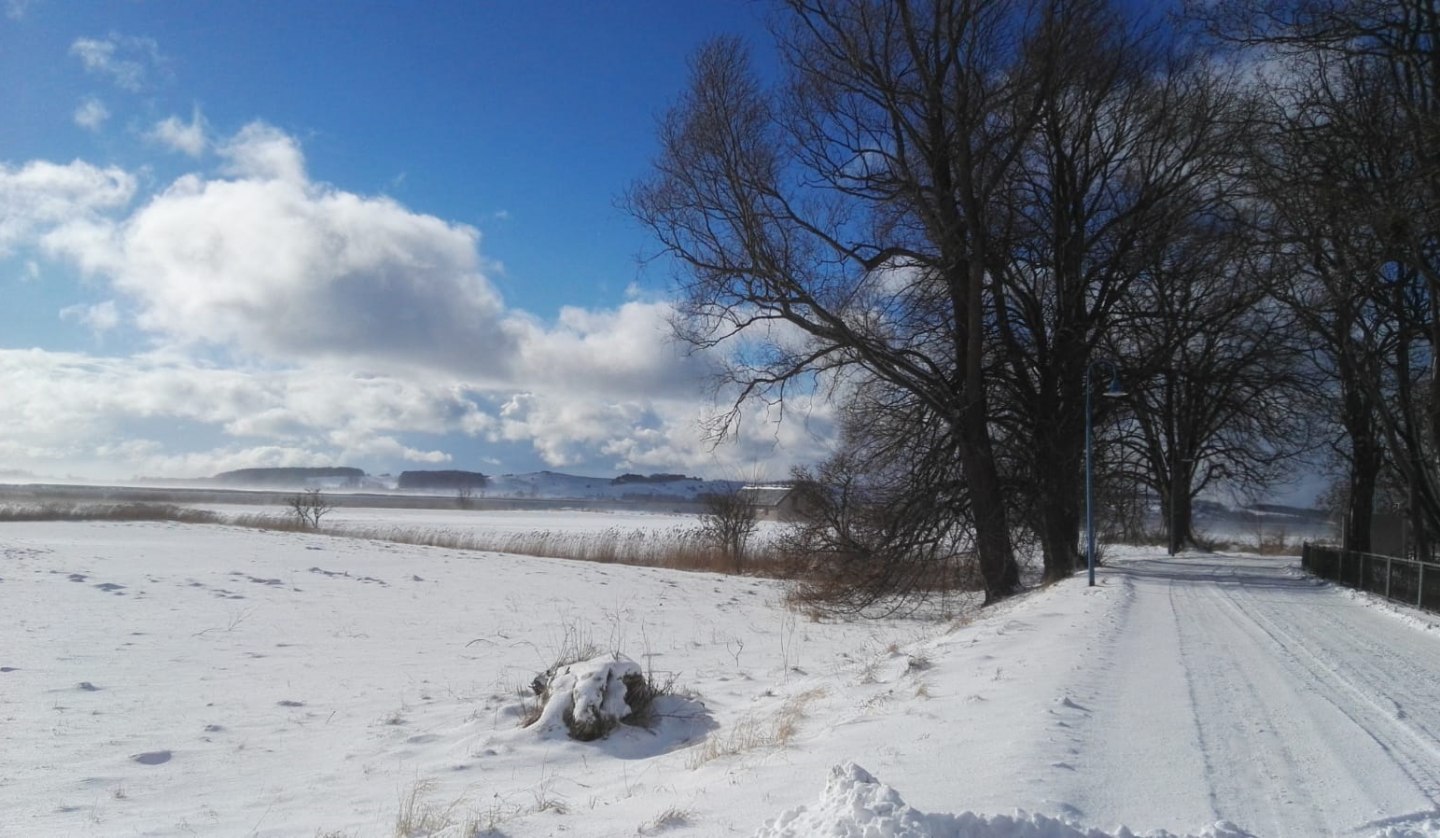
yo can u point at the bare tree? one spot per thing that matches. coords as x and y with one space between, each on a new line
728 522
847 220
308 507
1133 145
1217 389
1351 171
880 531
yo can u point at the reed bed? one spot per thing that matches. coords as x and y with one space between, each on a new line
674 548
128 511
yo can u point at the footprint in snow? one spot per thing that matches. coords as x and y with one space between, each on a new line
87 687
152 757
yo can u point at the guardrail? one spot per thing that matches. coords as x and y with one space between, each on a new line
1410 581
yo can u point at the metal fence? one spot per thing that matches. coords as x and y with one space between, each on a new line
1403 580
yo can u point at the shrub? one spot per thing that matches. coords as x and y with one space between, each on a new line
590 698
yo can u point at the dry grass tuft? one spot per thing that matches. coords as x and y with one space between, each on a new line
420 817
750 733
668 819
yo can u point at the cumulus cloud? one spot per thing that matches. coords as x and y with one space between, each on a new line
664 434
263 152
624 352
65 406
268 263
178 135
91 114
42 196
352 325
125 60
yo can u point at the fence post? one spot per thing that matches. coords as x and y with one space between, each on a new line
1389 563
1420 588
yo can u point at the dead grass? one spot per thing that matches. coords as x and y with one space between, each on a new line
752 733
675 548
127 511
668 819
418 816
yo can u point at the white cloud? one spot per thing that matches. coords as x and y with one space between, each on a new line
41 196
359 325
125 60
270 264
185 137
263 152
91 114
623 352
101 317
71 407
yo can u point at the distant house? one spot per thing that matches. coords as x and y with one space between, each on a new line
774 502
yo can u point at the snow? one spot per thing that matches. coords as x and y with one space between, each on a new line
164 679
856 805
588 693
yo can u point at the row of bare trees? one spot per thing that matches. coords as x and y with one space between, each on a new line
947 212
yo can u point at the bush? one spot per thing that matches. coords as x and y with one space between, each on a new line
590 698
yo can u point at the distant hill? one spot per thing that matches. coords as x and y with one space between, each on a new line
338 477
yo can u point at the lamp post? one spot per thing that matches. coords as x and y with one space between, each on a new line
1113 391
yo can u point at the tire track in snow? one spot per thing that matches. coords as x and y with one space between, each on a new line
1133 741
1249 731
1232 688
1347 667
1306 745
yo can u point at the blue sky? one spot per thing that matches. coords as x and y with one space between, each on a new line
372 234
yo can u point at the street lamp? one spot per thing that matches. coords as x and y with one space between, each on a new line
1113 391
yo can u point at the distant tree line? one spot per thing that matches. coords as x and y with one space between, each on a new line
653 478
448 480
955 214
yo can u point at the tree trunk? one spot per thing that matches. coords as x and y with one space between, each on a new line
1360 507
1365 463
1177 521
996 553
998 568
1058 494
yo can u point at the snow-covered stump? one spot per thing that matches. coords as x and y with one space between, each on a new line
589 698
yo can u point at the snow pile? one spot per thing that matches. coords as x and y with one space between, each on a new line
590 697
1422 827
856 805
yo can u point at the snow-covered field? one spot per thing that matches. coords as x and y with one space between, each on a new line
161 679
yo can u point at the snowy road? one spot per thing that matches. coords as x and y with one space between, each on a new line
1237 689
